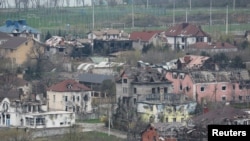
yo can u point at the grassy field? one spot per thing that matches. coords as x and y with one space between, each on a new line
90 121
79 20
85 136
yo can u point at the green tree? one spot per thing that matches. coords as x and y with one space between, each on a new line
204 53
244 45
59 32
48 35
146 48
108 87
237 62
221 59
36 62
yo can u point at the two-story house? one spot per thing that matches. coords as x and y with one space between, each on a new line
182 35
20 106
142 38
69 95
20 49
107 34
20 28
204 86
55 44
134 83
168 108
31 114
108 41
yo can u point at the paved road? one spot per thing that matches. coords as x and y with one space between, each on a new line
99 127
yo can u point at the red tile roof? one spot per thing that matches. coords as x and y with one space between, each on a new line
186 29
216 45
68 86
143 35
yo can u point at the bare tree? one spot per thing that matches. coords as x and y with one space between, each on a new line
17 4
55 3
38 4
78 2
4 3
68 2
62 3
83 2
25 4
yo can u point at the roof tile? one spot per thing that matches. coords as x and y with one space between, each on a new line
68 86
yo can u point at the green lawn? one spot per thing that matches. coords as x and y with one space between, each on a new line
79 20
85 136
90 121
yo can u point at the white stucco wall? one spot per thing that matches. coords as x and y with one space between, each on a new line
51 119
57 101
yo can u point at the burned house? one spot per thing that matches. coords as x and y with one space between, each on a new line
134 83
209 86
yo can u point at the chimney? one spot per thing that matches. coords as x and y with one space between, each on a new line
187 58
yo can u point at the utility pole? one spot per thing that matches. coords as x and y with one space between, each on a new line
93 15
132 13
186 15
190 4
174 13
147 4
210 13
227 21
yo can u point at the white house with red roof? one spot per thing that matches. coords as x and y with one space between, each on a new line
182 35
141 38
69 95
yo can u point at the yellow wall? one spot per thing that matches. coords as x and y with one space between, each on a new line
19 55
58 104
167 116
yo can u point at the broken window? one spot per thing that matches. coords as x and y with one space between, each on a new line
134 90
125 90
180 87
153 90
223 98
182 39
174 75
61 49
124 80
223 88
181 76
202 89
165 90
240 97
